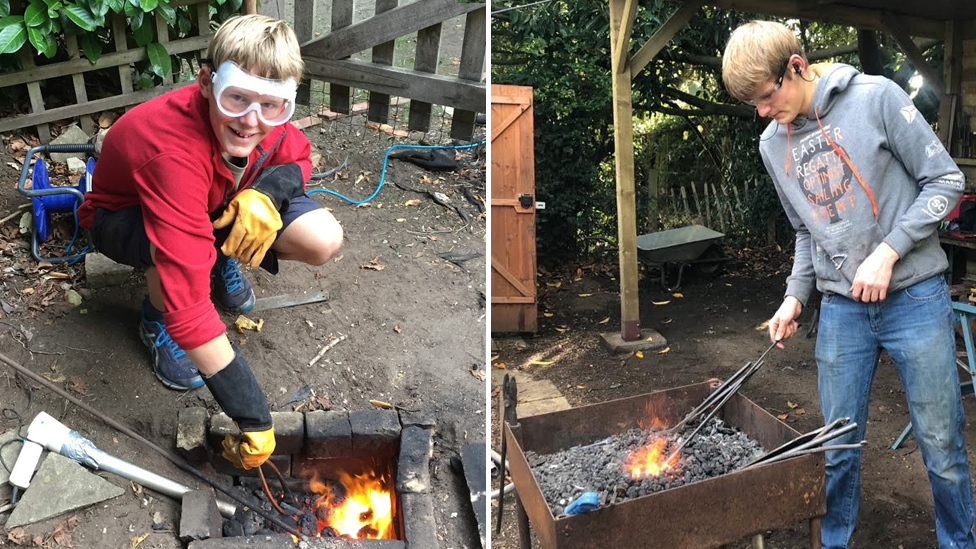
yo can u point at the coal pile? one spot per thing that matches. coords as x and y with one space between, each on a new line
600 467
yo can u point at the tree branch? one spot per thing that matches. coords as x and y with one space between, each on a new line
740 111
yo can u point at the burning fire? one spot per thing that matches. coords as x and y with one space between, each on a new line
357 506
650 460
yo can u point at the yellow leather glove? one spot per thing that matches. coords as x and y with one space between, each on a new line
256 224
249 449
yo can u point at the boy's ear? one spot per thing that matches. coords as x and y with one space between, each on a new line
203 79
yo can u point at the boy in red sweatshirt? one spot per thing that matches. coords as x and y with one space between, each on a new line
195 181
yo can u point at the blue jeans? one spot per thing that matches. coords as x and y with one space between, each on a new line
914 326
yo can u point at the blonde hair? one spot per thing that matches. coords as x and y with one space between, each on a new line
757 52
258 43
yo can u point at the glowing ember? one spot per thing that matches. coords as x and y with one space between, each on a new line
649 460
359 506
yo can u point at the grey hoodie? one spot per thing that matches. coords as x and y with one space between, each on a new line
895 185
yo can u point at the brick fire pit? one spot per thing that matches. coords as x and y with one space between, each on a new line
318 441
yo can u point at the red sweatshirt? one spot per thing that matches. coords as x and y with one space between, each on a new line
163 156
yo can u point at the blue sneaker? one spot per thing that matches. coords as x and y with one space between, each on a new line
170 363
230 287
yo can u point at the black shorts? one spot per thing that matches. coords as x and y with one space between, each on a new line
121 235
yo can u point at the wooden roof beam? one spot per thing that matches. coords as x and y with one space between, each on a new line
897 28
845 15
663 35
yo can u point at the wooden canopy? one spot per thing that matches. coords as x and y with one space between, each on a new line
905 20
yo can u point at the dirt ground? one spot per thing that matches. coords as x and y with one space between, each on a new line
711 332
414 326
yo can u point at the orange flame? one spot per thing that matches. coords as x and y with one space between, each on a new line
649 460
362 509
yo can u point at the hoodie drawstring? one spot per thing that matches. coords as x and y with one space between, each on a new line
840 152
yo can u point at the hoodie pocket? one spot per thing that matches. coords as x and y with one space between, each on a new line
845 252
822 266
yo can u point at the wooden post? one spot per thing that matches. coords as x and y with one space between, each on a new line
684 199
339 95
250 7
428 52
472 66
304 30
952 72
379 103
623 132
723 207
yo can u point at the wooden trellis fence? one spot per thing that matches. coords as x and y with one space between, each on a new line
327 58
75 67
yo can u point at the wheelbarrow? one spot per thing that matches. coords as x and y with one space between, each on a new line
675 249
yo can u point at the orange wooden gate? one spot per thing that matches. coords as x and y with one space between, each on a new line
513 290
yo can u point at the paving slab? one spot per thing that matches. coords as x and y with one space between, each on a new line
60 486
102 272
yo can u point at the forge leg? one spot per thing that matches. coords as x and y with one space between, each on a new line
815 533
525 538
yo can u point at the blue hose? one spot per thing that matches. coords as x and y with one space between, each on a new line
386 159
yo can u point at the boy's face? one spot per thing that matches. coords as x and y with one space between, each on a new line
237 136
780 99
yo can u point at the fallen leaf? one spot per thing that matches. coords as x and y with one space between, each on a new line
337 258
78 386
401 219
397 328
540 362
727 284
324 402
782 417
480 374
138 539
585 295
412 202
243 323
44 264
800 412
639 354
660 302
649 338
17 535
579 275
27 291
547 315
762 327
372 267
791 404
554 284
604 321
38 541
562 329
381 404
73 297
54 377
56 274
62 537
664 350
678 295
499 365
666 321
581 386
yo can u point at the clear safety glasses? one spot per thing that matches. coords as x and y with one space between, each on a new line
238 93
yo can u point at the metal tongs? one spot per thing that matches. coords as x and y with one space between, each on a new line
715 400
811 443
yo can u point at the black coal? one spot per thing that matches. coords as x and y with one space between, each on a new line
599 467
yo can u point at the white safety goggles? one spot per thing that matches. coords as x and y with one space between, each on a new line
238 93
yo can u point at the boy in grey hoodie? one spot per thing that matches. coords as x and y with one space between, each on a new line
865 183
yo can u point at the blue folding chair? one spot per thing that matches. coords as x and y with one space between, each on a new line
963 312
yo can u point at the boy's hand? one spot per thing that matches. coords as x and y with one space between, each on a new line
250 449
256 224
874 275
783 324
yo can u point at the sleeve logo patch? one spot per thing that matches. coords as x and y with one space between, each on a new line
933 148
937 207
909 112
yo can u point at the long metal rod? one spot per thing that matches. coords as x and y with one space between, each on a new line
173 458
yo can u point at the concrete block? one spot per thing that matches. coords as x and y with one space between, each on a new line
59 486
102 272
289 432
71 136
200 518
191 434
76 165
420 418
220 426
374 432
419 528
413 471
328 434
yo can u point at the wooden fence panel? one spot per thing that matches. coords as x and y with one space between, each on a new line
326 58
